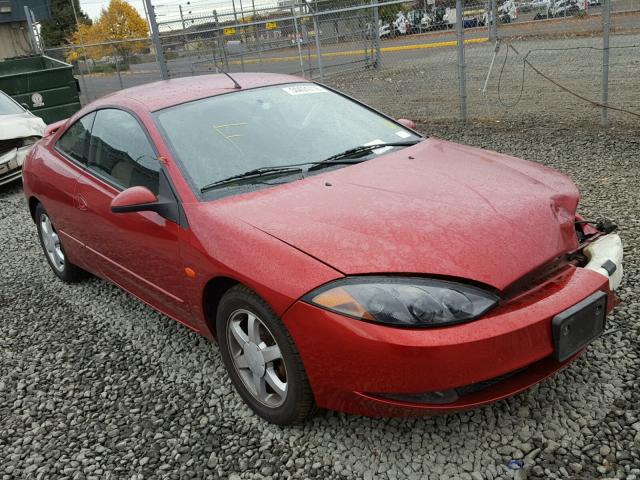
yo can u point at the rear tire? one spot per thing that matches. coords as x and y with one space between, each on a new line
261 358
53 249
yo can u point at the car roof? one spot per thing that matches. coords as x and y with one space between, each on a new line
166 93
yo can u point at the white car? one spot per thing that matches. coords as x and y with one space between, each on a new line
19 130
565 8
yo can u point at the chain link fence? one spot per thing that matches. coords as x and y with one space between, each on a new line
104 68
431 60
294 39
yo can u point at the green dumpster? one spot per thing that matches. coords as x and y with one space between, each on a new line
44 85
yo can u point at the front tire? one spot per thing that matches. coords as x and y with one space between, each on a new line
53 249
261 358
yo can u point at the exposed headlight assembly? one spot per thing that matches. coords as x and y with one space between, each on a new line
403 301
29 141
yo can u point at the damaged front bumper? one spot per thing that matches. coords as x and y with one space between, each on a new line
11 164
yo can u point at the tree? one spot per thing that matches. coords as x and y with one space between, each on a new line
58 29
120 21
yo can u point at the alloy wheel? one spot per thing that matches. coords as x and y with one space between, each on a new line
51 243
257 358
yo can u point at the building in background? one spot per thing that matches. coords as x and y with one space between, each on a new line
14 33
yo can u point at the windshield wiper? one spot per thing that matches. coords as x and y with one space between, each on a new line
353 153
255 173
345 157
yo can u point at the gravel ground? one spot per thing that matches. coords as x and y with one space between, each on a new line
93 384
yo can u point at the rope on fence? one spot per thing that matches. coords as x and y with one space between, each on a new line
526 62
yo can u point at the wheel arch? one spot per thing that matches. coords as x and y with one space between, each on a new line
33 204
212 293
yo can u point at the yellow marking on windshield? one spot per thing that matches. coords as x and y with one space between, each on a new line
231 125
229 138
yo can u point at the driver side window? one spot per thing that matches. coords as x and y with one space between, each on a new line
120 151
75 141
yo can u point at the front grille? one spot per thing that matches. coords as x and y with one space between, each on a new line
7 145
483 385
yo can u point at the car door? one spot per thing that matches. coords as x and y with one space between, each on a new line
63 166
138 250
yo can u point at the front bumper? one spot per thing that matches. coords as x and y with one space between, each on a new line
346 360
11 164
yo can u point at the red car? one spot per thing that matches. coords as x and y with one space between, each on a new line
340 259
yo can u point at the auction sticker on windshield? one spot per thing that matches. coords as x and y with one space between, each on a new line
303 89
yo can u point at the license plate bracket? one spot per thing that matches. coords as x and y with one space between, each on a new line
578 326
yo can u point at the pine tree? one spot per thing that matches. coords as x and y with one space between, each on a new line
60 27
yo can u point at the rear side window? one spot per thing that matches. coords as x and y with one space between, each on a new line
75 141
121 151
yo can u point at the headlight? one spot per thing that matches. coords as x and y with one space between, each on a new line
403 301
29 141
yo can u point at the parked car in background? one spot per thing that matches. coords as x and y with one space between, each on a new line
423 21
565 8
471 17
19 131
340 258
507 13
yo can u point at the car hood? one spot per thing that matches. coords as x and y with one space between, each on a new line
437 208
20 125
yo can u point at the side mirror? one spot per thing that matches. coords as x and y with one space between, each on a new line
135 199
141 199
407 123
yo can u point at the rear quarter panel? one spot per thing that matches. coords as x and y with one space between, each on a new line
52 182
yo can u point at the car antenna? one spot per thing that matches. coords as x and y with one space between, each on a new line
236 85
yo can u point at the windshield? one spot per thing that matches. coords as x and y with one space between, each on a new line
218 137
8 106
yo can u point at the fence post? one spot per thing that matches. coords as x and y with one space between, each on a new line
256 31
376 35
184 35
155 38
115 56
606 24
493 32
316 28
235 19
83 82
220 39
461 66
295 26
